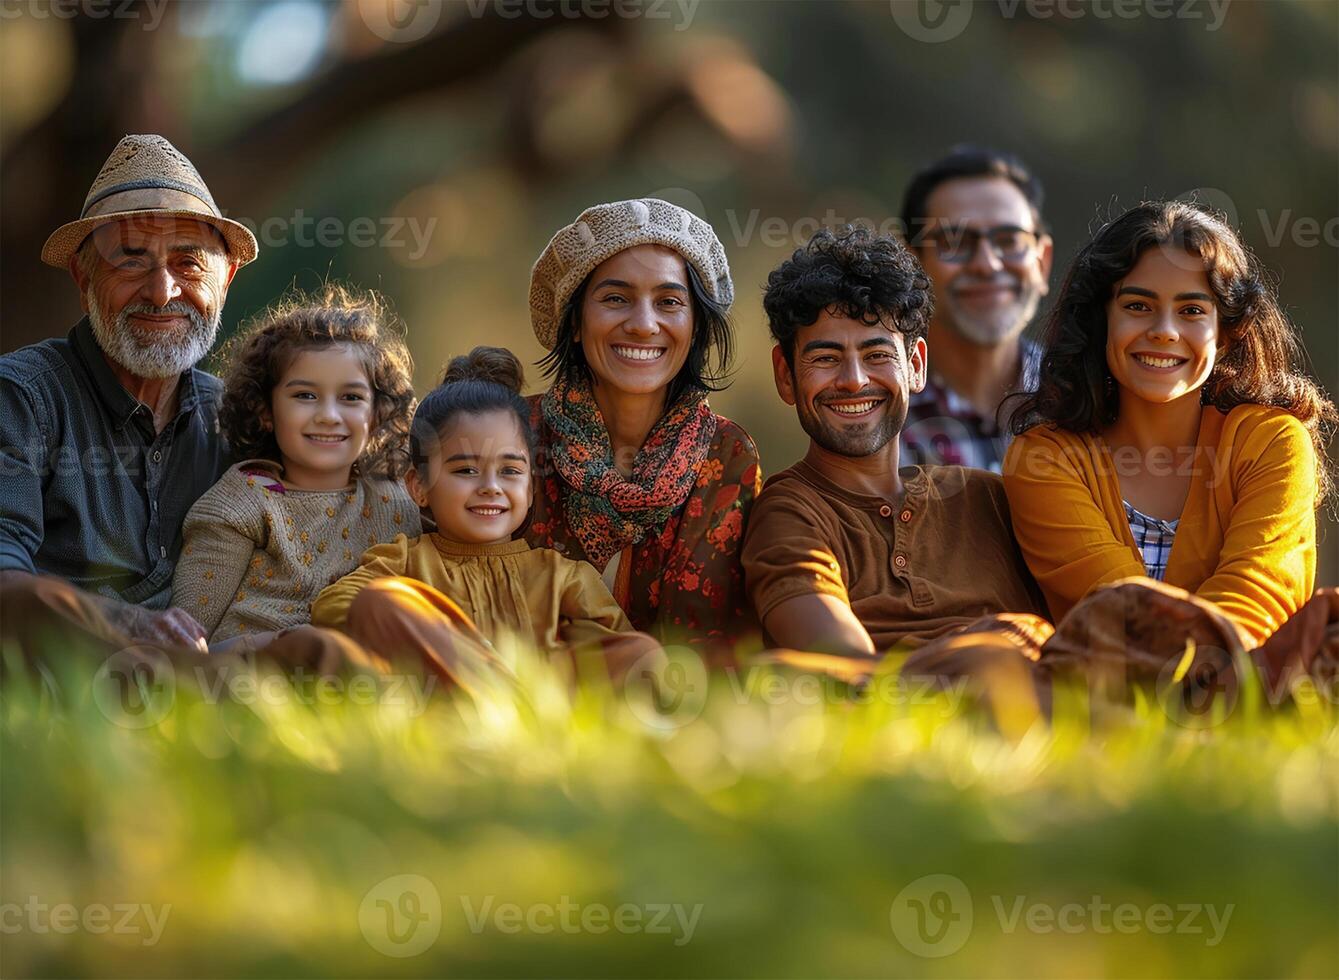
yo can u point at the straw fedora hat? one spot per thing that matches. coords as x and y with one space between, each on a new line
146 176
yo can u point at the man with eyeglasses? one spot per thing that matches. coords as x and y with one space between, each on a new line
973 218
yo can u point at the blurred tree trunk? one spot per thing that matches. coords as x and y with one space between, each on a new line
47 171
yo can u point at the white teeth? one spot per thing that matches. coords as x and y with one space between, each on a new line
1159 362
327 438
857 409
639 353
487 511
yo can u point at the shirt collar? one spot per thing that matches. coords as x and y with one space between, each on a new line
913 486
121 405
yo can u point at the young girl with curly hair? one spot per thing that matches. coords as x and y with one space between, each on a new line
1174 434
442 600
317 406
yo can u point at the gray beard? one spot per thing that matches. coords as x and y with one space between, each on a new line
996 328
153 353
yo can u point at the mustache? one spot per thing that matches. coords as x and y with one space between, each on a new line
176 307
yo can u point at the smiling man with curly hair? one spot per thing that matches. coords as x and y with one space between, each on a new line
846 553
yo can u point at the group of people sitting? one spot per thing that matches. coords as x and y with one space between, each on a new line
1139 487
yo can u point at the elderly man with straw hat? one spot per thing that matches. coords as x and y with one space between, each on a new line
110 433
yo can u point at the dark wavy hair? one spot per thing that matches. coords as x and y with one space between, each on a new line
1260 359
863 276
487 379
709 355
335 315
966 161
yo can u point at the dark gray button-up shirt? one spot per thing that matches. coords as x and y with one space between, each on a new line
88 491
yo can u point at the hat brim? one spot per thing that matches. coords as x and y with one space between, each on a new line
66 239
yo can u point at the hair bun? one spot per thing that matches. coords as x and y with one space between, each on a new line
495 364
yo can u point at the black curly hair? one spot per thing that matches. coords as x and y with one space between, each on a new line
854 272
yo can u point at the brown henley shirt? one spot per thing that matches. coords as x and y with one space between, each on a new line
911 571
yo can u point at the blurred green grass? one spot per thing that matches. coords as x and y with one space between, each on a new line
793 821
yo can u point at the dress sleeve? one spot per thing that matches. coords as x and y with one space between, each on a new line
331 607
1266 568
1065 535
589 613
702 598
221 533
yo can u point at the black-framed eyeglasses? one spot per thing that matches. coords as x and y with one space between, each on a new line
956 244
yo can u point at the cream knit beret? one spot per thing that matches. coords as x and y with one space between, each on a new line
604 231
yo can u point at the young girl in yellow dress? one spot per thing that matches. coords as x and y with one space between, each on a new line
443 599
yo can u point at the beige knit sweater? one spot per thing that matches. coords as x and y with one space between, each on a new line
255 555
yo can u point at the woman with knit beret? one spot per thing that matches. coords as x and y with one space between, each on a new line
637 475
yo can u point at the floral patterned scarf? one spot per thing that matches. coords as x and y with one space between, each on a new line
606 511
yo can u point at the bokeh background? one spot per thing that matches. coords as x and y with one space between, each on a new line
430 149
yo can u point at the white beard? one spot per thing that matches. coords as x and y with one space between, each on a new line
153 353
992 329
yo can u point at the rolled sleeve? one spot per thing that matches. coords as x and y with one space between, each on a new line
786 554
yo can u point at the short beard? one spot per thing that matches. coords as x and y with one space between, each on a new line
153 353
992 329
866 442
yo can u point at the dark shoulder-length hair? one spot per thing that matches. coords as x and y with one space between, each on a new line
1260 358
710 353
334 315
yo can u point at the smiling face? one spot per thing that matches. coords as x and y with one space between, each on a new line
321 413
479 487
637 320
1162 328
850 382
154 289
984 253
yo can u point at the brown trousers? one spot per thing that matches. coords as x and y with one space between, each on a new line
1134 632
407 623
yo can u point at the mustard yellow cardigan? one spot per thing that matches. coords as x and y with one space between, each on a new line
1247 534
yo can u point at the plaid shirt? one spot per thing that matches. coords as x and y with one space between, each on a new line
943 427
1154 539
89 492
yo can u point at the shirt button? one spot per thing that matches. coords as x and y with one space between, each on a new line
900 561
904 516
885 511
157 455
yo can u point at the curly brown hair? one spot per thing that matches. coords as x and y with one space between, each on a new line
334 315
